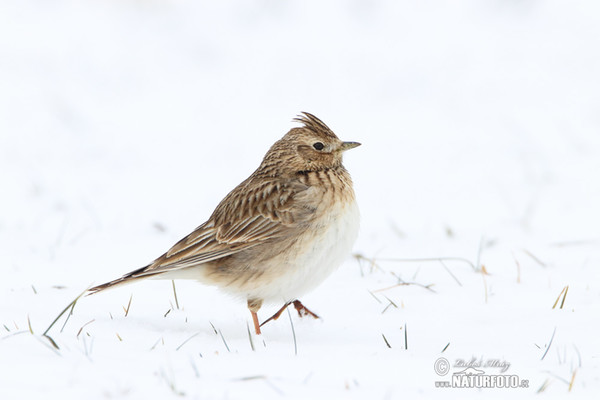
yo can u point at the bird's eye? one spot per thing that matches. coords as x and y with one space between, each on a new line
319 146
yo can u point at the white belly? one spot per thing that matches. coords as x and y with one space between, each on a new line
324 250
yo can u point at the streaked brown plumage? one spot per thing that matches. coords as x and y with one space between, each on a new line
280 232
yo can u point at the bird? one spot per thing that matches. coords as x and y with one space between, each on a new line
279 233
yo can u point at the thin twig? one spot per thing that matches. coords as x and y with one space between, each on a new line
429 259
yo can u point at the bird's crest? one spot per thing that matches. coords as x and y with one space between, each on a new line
314 124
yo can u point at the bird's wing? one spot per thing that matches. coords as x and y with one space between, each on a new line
253 213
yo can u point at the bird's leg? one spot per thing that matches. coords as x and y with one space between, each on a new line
302 311
254 305
277 314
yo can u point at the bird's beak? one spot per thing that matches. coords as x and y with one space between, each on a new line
348 145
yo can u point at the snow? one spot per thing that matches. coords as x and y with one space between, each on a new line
123 124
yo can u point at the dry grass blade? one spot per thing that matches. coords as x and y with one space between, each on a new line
404 283
479 251
572 380
445 347
544 386
293 331
119 336
405 337
251 378
386 341
187 340
250 336
450 272
224 342
175 295
52 342
372 262
534 258
84 325
71 305
29 324
485 288
563 293
157 342
128 305
34 291
549 344
428 259
371 293
518 268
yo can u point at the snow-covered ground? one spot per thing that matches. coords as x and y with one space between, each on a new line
123 124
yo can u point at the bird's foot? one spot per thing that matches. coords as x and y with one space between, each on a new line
302 311
300 308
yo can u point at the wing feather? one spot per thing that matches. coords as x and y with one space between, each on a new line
252 214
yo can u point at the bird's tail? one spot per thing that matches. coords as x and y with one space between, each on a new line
127 278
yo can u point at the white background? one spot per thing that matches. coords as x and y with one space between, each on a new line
124 123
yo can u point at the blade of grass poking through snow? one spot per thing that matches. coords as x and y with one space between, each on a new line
250 336
549 344
563 291
534 258
450 272
68 317
544 386
187 340
405 337
71 305
386 341
293 331
128 305
29 324
175 295
84 325
485 288
479 251
518 268
572 380
224 342
444 349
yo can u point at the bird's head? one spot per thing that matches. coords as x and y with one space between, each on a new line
310 147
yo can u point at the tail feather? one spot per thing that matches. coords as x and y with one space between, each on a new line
127 278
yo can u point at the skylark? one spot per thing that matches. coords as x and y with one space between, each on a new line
279 233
